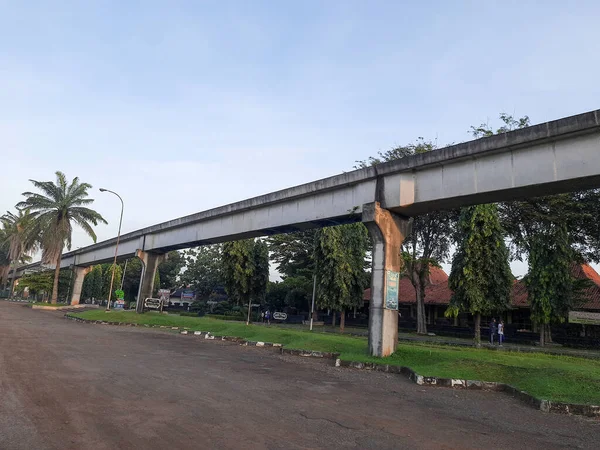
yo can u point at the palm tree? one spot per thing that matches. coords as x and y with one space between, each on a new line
18 239
54 210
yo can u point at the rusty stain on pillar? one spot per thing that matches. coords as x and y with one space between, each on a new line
388 231
80 273
150 263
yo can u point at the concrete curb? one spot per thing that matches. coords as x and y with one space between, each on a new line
542 405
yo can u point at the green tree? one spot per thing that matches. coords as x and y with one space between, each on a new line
36 283
534 221
480 279
430 240
294 253
203 269
18 238
340 259
170 269
260 273
131 278
245 270
93 283
54 211
550 285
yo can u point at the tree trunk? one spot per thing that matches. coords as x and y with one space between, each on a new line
333 319
342 320
55 286
421 318
548 337
542 328
12 282
478 329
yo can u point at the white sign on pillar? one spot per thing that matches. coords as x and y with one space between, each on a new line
392 282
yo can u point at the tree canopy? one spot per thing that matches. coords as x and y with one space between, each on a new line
203 269
340 261
480 278
245 270
54 211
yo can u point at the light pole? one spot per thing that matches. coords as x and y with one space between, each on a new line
112 277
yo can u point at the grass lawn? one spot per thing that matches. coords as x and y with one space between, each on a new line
558 378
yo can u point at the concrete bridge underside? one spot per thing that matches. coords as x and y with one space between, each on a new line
553 157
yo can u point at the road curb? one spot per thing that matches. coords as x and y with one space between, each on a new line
542 405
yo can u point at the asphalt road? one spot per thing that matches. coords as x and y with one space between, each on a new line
68 385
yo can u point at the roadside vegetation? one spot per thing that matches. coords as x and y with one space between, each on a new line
557 378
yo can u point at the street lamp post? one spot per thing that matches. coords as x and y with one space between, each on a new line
112 277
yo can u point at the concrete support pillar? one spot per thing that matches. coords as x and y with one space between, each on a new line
80 273
150 263
388 231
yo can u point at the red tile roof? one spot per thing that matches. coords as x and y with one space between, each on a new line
438 292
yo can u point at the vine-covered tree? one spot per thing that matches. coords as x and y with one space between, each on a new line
480 278
93 283
54 211
550 285
340 261
429 242
106 277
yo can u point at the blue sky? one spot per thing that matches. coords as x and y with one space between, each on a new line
183 106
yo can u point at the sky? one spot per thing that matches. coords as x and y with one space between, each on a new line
184 106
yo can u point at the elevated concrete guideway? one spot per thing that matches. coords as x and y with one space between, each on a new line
553 157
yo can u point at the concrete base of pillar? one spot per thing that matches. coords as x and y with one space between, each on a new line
80 273
150 263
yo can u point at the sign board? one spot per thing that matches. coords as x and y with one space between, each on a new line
164 294
152 303
279 316
119 304
585 318
189 295
392 282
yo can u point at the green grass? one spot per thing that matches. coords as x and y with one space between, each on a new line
557 378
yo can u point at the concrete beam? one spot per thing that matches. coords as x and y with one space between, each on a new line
549 158
388 231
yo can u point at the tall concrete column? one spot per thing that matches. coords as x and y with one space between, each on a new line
80 273
388 231
150 263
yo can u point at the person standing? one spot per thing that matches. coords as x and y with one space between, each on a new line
268 317
501 333
493 330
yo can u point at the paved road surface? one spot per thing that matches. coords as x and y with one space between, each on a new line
67 385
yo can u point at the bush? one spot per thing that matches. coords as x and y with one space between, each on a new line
188 314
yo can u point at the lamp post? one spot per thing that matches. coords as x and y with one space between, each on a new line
112 277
